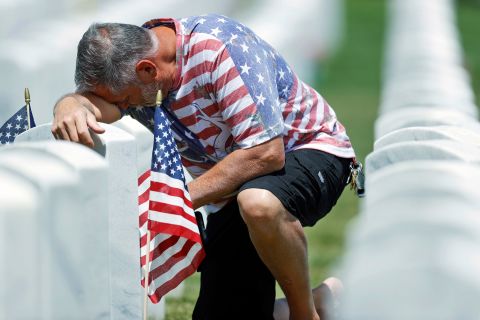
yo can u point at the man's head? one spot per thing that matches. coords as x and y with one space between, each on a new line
108 56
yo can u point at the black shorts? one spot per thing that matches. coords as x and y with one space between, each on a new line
235 284
309 184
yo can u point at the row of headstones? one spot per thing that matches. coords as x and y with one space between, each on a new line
413 251
69 237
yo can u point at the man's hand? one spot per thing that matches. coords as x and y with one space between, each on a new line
74 114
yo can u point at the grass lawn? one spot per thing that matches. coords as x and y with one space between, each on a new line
350 81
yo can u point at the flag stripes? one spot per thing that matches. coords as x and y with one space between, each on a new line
165 210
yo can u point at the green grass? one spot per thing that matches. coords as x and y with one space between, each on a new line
469 26
350 81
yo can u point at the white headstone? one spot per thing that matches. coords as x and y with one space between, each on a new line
414 253
39 133
119 149
424 268
421 150
414 69
422 179
91 170
422 117
429 92
19 208
59 236
143 138
423 65
453 133
144 142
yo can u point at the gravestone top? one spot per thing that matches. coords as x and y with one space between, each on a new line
424 179
422 117
17 193
421 150
454 133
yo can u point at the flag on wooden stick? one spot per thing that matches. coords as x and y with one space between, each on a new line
21 121
175 247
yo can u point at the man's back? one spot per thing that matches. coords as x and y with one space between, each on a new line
233 90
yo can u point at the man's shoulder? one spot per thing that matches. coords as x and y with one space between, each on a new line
217 26
206 21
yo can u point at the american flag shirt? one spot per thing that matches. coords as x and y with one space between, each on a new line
233 90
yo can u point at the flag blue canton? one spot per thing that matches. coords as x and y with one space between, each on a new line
266 74
165 157
17 124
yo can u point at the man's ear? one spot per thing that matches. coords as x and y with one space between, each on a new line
146 71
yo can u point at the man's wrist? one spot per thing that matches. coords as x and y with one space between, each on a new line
80 99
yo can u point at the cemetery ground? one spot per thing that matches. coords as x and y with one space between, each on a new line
350 81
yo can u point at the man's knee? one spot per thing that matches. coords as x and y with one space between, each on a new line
259 207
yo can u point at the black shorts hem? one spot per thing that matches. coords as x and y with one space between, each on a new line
308 186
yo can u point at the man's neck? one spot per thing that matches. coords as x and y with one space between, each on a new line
167 52
167 41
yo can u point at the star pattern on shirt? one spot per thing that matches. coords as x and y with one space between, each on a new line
216 31
245 68
260 99
232 38
264 72
260 77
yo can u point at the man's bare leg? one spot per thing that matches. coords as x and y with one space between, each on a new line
281 244
325 297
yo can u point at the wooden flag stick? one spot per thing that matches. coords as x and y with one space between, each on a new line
147 274
159 98
158 102
27 103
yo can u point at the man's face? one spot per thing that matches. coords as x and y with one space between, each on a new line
132 96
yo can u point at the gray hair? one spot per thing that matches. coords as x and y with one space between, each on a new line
107 55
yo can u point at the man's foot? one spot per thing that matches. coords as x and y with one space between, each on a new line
326 298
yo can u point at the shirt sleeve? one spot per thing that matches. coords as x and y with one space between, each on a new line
246 93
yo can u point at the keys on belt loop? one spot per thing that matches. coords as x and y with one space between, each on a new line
356 179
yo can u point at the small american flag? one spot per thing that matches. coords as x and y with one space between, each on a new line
166 210
17 124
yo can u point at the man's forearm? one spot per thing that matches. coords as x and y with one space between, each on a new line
101 109
76 114
237 168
